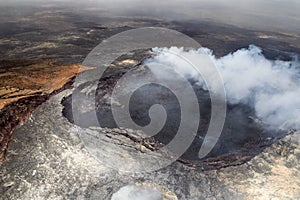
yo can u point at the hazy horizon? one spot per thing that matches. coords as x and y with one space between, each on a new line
267 15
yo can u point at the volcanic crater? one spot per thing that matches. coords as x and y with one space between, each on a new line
243 136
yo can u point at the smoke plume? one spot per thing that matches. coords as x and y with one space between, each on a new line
270 87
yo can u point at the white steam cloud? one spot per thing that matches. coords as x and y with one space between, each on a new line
132 192
270 87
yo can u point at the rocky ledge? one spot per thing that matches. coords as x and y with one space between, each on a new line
26 84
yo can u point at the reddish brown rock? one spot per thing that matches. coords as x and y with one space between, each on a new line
24 85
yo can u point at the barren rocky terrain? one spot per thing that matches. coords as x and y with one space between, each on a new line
48 160
44 156
24 85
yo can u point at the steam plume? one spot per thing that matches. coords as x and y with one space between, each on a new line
270 87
